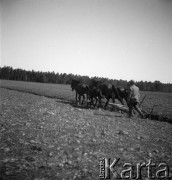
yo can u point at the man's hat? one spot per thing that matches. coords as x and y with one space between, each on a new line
132 82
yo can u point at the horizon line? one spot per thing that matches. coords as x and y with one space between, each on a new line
91 77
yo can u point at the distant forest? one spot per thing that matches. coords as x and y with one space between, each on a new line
9 73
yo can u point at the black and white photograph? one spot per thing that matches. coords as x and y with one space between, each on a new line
85 89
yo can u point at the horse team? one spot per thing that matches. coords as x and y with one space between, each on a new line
95 91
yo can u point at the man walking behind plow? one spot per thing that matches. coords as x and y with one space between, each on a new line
133 98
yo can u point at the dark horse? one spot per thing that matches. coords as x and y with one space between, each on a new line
100 90
80 88
94 93
123 93
110 92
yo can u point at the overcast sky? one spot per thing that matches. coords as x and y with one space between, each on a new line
118 39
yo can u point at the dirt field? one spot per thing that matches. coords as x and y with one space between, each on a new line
162 100
50 138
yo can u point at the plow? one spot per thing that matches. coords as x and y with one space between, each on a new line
120 107
150 114
125 109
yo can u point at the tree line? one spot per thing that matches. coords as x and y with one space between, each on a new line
18 74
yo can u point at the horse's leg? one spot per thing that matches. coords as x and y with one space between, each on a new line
91 100
100 102
121 100
88 99
118 96
76 97
83 99
106 102
95 102
79 99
